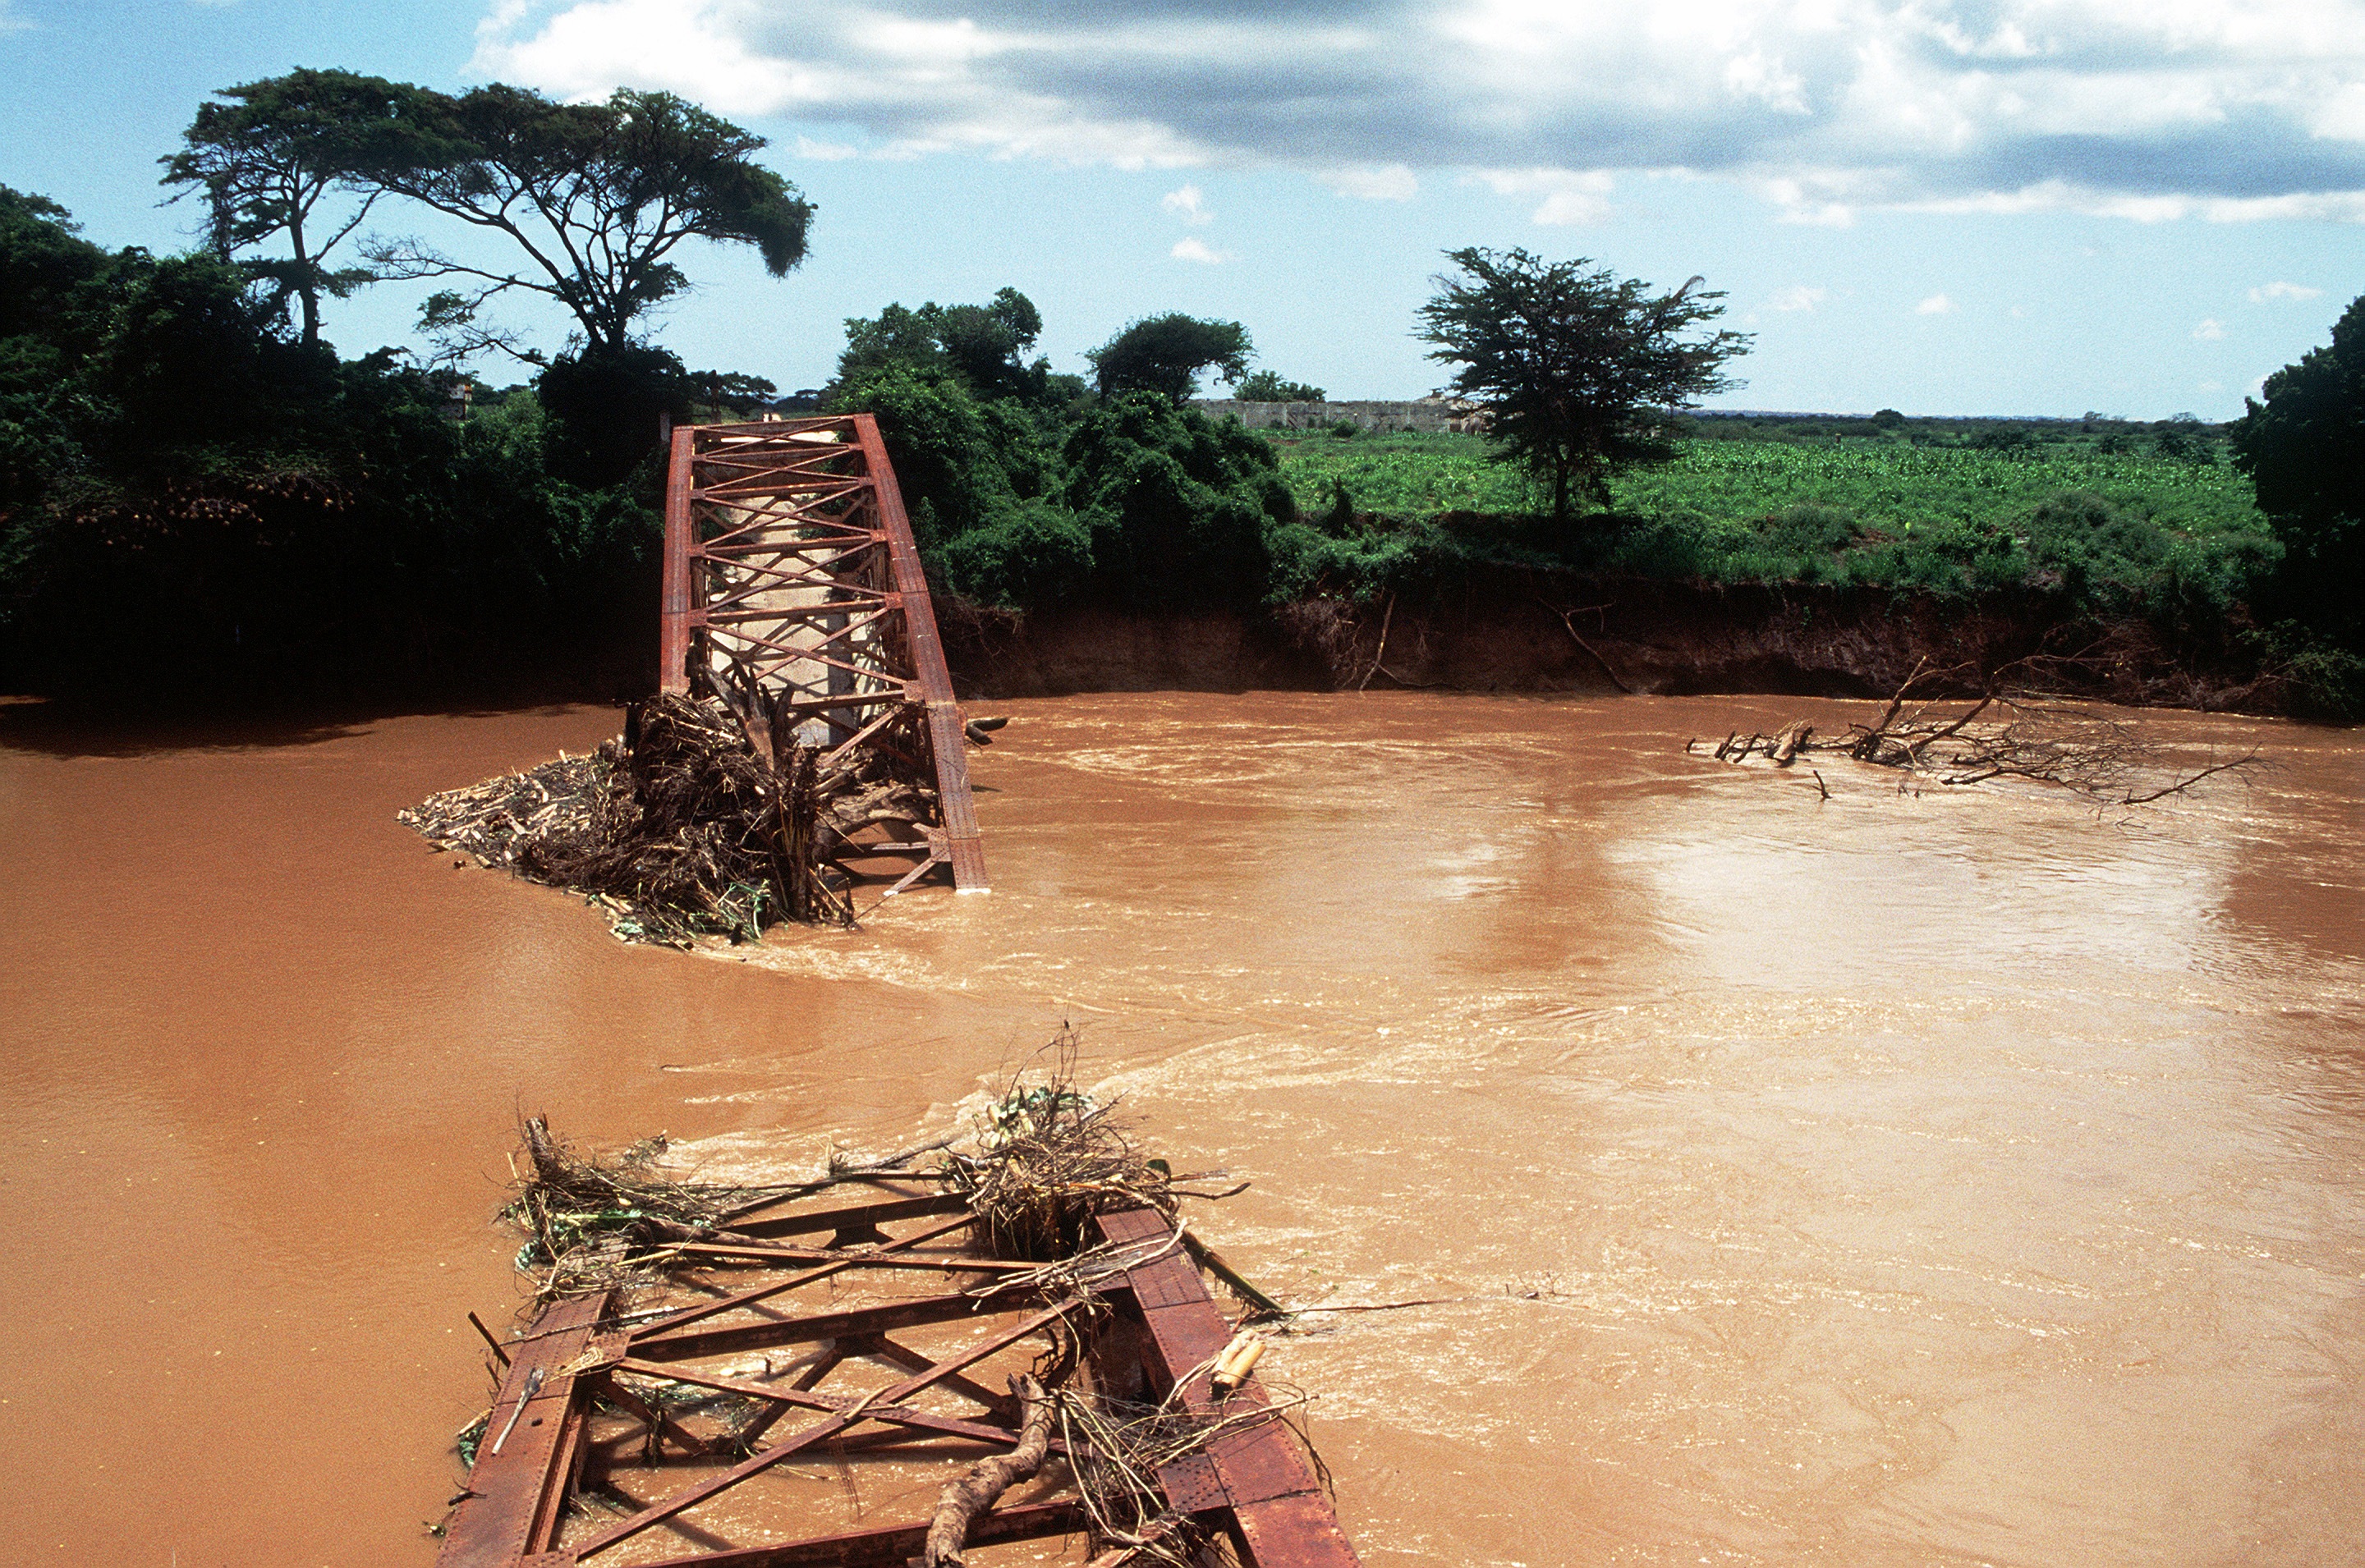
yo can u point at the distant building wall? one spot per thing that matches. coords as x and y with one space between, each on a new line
1424 415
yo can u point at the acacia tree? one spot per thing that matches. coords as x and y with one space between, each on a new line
267 160
1165 355
1579 371
598 196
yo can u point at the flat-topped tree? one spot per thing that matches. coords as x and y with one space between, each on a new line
1580 372
600 197
1165 355
293 159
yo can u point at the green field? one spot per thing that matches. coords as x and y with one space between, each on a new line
2100 514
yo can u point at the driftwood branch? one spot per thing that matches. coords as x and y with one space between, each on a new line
984 1482
2059 745
2188 781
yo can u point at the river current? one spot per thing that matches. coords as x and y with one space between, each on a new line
1967 1177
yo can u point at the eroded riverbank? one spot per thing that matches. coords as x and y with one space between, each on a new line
1883 1180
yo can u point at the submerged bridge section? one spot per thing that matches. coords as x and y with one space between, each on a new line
606 1446
793 589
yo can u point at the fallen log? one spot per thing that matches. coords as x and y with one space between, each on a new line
970 1494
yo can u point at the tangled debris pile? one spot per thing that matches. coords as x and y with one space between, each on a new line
681 828
1998 733
593 1223
1048 1159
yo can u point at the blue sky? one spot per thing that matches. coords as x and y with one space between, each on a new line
2036 207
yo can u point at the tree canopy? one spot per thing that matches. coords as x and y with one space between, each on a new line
1267 387
267 159
1578 370
2304 447
985 345
1165 355
599 196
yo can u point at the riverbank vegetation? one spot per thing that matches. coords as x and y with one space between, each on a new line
198 493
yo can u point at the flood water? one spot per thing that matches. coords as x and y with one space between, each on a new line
1874 1180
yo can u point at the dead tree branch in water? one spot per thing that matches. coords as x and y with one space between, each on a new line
984 1482
2063 745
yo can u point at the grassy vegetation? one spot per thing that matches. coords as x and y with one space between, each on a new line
2121 516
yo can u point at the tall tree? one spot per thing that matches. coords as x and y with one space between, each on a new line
1579 371
984 345
267 159
1165 355
2304 447
598 196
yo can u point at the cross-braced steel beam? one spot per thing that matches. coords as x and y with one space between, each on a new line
793 589
587 1402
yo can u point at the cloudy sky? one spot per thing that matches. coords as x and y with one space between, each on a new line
1947 208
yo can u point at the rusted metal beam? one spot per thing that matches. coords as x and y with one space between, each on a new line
820 1431
511 1506
894 1544
1279 1516
673 612
912 1312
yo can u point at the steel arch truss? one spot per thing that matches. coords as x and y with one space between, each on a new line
793 589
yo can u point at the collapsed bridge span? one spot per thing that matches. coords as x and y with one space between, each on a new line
793 590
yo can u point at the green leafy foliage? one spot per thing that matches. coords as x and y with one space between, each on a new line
1165 355
1177 505
1267 387
985 345
2110 530
1028 553
596 196
269 160
2304 447
605 404
1576 370
271 520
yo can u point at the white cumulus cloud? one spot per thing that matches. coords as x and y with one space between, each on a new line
1798 296
1189 204
1191 248
2210 330
2223 110
1936 305
2267 291
1569 197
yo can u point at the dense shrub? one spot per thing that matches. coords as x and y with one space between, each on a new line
1177 505
1033 554
191 500
606 407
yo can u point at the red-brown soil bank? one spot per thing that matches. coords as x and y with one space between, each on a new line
1521 633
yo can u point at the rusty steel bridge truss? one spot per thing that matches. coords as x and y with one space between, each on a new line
589 1458
793 589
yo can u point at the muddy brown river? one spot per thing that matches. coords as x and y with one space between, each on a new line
1878 1181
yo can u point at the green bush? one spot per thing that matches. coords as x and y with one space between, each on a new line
1178 505
1034 554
